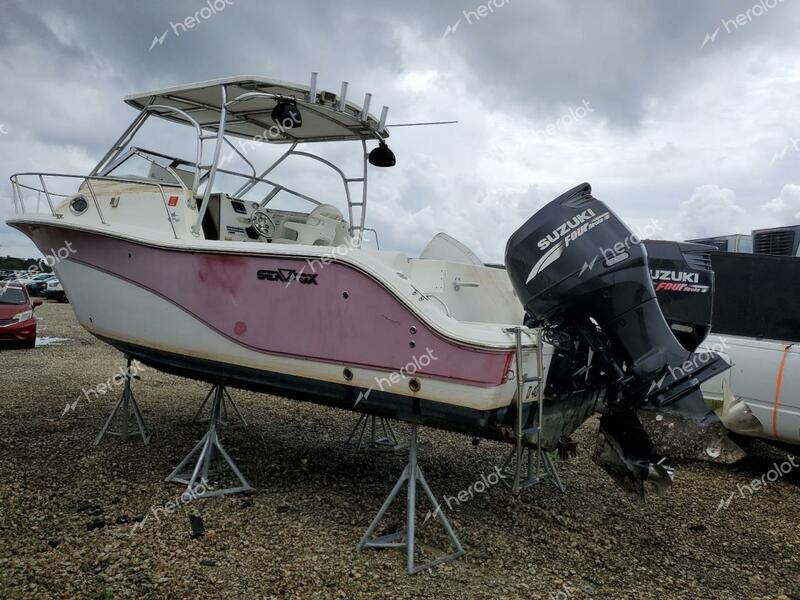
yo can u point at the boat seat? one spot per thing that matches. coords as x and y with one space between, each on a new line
320 227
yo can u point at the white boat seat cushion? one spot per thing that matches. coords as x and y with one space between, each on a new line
320 227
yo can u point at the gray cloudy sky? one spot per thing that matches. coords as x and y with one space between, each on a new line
689 116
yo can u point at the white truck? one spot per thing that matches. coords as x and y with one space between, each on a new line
760 395
755 324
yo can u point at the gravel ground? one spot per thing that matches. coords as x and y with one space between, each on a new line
67 507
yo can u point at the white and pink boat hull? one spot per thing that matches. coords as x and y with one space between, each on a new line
342 339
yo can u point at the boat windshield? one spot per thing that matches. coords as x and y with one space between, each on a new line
146 167
149 165
12 295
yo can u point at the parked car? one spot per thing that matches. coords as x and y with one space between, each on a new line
22 277
12 275
37 284
17 321
55 291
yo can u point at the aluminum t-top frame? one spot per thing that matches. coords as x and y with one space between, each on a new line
244 107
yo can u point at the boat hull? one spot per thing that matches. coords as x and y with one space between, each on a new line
343 341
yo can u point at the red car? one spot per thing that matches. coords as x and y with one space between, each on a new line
17 323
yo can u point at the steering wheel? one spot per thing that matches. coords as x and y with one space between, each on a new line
263 224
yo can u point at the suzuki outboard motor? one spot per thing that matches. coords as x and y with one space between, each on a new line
684 284
582 275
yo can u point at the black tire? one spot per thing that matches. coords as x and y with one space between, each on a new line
29 343
62 298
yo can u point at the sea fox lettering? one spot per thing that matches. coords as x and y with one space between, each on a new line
287 275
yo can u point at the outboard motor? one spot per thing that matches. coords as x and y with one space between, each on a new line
583 276
684 282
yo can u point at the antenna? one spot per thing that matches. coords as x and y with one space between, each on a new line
418 124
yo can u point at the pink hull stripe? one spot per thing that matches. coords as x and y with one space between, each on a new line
344 317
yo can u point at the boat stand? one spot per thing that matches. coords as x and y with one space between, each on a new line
544 470
126 411
226 400
206 450
406 538
373 425
519 455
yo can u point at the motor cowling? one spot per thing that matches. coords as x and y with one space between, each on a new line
684 284
576 260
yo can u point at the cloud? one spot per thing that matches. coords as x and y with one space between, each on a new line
785 208
679 134
711 211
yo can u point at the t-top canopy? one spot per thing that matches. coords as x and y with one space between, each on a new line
248 115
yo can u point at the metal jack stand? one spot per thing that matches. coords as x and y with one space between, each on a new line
533 476
130 417
407 537
226 400
545 469
206 450
387 443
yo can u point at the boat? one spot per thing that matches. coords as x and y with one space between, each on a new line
190 266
